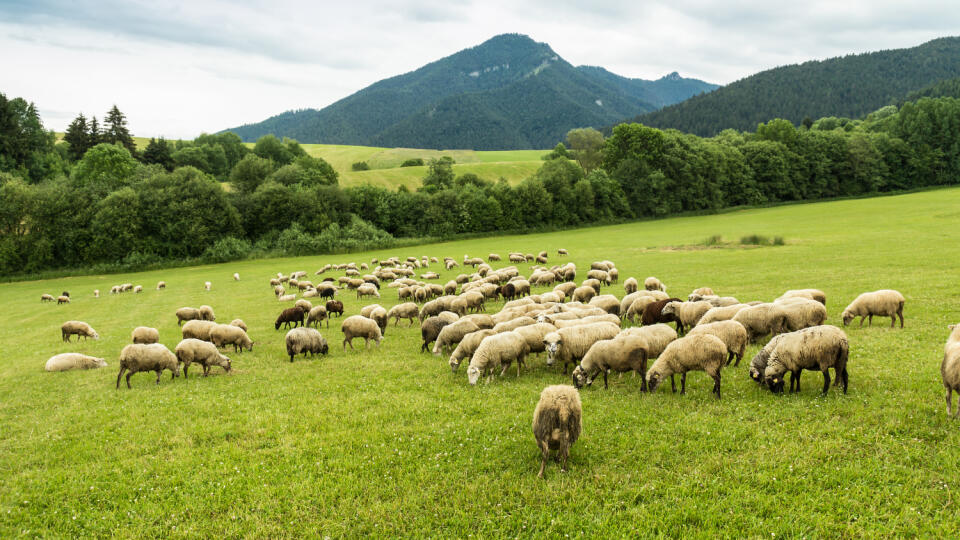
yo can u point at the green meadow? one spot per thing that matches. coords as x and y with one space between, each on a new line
387 442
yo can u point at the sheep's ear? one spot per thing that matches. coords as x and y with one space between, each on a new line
952 326
776 381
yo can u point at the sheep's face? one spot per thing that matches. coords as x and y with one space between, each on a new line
99 362
579 377
847 317
454 364
225 363
653 380
473 374
756 375
552 344
670 308
775 382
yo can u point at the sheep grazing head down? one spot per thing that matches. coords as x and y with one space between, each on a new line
580 378
756 375
654 378
552 343
473 374
847 317
775 383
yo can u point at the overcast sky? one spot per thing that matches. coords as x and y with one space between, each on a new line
179 68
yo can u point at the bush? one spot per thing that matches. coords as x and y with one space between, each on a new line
227 249
759 240
412 162
714 240
360 166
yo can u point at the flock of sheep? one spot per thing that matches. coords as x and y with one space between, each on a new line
581 326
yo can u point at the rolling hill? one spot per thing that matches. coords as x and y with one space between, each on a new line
849 86
509 92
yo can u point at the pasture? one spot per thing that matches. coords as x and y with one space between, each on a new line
388 442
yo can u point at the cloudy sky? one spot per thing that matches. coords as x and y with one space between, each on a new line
179 68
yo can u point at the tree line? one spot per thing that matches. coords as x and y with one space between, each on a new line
216 199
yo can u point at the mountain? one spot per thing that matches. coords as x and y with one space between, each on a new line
509 92
849 86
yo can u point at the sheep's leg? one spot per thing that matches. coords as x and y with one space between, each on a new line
129 373
739 358
206 371
862 317
900 314
826 381
158 376
345 345
683 383
871 320
893 320
123 368
605 379
673 384
564 454
846 379
716 384
949 398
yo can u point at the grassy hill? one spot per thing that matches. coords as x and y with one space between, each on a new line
387 442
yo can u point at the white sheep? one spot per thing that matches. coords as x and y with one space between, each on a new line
701 352
155 357
697 294
817 348
161 285
207 285
206 313
68 361
452 334
145 335
731 333
287 298
621 354
227 334
498 350
360 326
630 285
802 312
305 340
367 289
239 324
568 345
584 293
534 334
317 315
654 284
46 297
96 293
236 276
762 319
467 346
657 336
557 423
724 313
513 324
63 299
884 303
812 294
406 310
78 328
687 313
606 302
138 289
198 329
202 352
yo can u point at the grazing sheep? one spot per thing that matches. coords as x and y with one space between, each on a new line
68 361
657 336
884 303
653 314
317 315
145 335
334 306
79 328
482 320
360 326
63 300
430 328
379 315
305 340
731 333
138 289
311 293
236 276
304 305
293 315
635 310
759 363
817 348
599 275
606 302
279 291
206 313
589 319
621 354
762 319
513 324
46 298
202 352
568 345
699 293
161 285
593 283
534 334
557 423
227 334
467 346
584 294
96 293
451 335
498 350
367 289
239 324
286 298
654 284
562 251
207 285
188 314
702 352
724 313
802 313
198 330
687 314
407 310
812 294
630 285
155 357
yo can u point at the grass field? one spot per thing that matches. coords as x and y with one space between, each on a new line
387 442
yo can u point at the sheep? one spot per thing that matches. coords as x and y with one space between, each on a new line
687 314
290 315
513 324
63 300
96 293
226 334
635 310
561 252
198 330
802 313
161 285
724 313
360 326
305 340
606 302
188 314
311 293
653 314
79 328
206 313
599 275
621 354
407 310
654 284
138 289
557 423
482 320
630 285
731 333
590 319
379 315
202 352
497 350
762 319
367 289
760 360
885 303
584 294
467 346
236 276
279 291
451 335
657 336
46 298
317 315
207 285
68 361
815 348
155 357
701 352
286 298
812 294
239 324
950 368
334 306
304 305
534 334
568 345
593 283
430 328
699 293
145 335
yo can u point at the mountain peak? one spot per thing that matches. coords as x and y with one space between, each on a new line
672 77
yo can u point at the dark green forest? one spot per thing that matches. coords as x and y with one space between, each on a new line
215 199
850 86
509 92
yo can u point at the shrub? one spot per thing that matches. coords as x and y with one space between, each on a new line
360 166
412 162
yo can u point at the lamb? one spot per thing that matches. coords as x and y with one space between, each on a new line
206 313
583 294
430 328
497 351
762 319
155 357
407 310
206 285
701 352
236 276
557 423
239 324
46 298
802 313
79 328
630 285
290 315
334 306
138 289
305 340
145 335
568 345
724 313
812 294
815 348
188 314
367 289
161 285
884 303
63 300
731 333
451 335
198 330
699 293
653 314
687 314
317 315
653 284
467 346
68 361
657 336
360 326
621 354
202 352
606 302
226 334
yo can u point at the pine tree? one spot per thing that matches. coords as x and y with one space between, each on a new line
94 137
116 130
159 152
78 137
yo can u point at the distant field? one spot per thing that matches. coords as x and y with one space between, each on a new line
389 443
